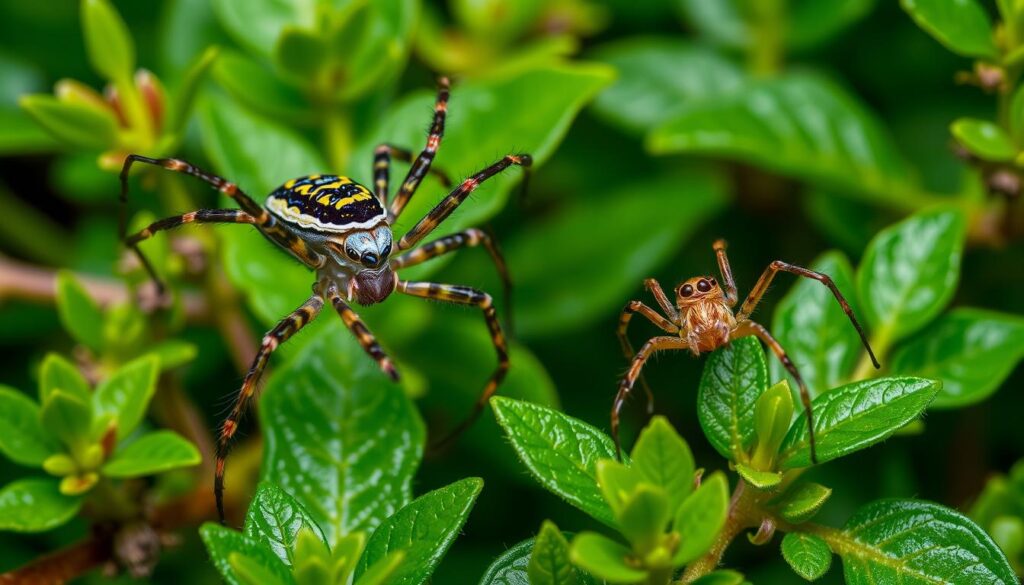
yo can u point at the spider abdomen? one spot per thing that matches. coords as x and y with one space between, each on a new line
327 203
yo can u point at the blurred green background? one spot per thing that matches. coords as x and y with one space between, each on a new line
613 99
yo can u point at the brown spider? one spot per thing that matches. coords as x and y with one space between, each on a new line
702 320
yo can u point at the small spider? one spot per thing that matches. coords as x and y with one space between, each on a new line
702 320
342 232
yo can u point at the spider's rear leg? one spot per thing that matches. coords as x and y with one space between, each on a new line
628 311
464 295
653 345
271 341
747 327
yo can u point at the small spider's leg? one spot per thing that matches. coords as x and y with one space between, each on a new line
464 295
382 169
659 295
469 238
748 327
653 345
199 216
456 197
362 333
422 163
728 282
779 266
271 341
627 348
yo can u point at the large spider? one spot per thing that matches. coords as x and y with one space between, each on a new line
702 320
342 231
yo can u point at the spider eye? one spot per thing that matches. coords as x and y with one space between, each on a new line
386 251
352 253
686 290
703 285
714 283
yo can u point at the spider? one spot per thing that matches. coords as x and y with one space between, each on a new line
342 232
702 320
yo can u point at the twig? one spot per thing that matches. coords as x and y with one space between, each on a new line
63 565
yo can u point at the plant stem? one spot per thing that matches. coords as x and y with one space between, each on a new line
743 514
766 50
338 136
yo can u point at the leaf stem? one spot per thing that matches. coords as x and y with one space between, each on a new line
338 137
766 50
743 513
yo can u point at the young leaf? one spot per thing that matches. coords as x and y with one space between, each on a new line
252 83
773 414
776 124
257 24
222 542
722 577
808 555
151 454
856 416
549 560
67 417
512 566
125 395
79 314
381 572
970 350
604 558
300 54
801 503
423 530
561 452
815 331
107 40
250 571
35 505
733 378
909 272
762 480
23 440
644 517
912 541
57 373
962 26
275 517
341 438
984 139
701 518
185 96
662 458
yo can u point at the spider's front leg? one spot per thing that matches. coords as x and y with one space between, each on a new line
421 165
271 341
361 332
631 308
653 345
464 295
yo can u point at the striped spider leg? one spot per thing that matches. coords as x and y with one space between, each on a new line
702 320
341 231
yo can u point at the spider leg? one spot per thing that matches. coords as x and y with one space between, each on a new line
199 216
382 156
779 266
464 295
631 308
728 282
271 341
469 238
659 295
421 165
653 345
748 327
362 333
457 197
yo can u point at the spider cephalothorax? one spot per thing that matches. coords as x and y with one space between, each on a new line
702 320
342 231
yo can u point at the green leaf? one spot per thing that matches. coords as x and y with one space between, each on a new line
644 516
561 452
761 480
300 53
310 559
971 351
801 503
23 440
252 83
79 314
808 555
549 559
662 458
909 272
856 416
1016 115
35 505
249 571
604 558
659 78
125 395
962 26
773 412
423 530
512 566
107 40
547 306
382 571
701 518
57 373
185 96
67 417
721 577
734 377
151 454
911 541
275 518
779 124
984 139
815 331
374 44
361 440
257 24
222 542
173 353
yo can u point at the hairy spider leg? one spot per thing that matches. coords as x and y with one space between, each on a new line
631 308
421 165
728 282
382 156
652 346
361 332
